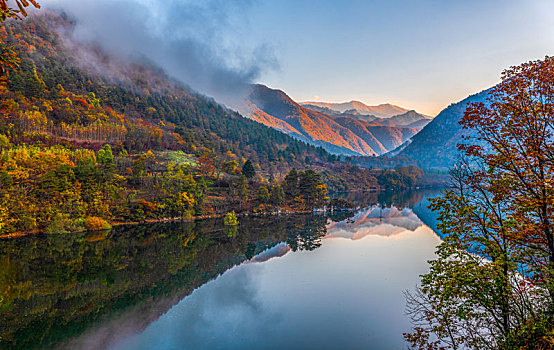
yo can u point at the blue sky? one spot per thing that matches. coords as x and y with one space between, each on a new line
422 54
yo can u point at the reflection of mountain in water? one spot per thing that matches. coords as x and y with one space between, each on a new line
376 221
102 286
426 215
347 294
274 252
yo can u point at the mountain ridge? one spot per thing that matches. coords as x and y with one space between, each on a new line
435 145
383 110
338 133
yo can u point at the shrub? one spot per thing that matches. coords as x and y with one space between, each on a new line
61 223
231 219
79 223
4 141
93 223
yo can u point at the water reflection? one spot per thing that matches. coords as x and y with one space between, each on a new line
347 294
305 281
108 285
376 221
417 200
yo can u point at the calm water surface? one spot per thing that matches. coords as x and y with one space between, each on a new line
301 282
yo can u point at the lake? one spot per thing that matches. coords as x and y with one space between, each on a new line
276 282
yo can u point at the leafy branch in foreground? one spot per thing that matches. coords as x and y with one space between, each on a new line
12 12
8 56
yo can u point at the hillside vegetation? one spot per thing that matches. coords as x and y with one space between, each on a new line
88 140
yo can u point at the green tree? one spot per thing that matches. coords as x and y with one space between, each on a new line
105 158
263 194
290 184
242 187
248 169
231 219
277 196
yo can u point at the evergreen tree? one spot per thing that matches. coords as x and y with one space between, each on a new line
248 169
290 185
277 196
263 194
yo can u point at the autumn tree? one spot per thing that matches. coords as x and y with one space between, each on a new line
515 140
7 11
207 164
8 56
492 285
473 295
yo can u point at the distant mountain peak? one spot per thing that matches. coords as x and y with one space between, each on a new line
383 110
349 133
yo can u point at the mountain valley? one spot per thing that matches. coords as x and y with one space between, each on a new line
346 130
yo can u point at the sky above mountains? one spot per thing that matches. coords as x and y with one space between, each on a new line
421 54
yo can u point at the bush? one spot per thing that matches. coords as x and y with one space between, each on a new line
231 219
79 223
93 223
4 141
61 223
27 223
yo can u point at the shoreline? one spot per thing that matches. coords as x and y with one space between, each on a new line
246 213
21 234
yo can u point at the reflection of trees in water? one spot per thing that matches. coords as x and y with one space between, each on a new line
403 199
55 287
400 199
307 238
338 216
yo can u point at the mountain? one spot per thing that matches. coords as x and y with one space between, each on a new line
410 118
435 145
140 98
352 113
385 110
340 133
318 128
419 124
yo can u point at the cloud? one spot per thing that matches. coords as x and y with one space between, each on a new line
196 42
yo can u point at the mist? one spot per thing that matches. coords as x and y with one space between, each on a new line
193 41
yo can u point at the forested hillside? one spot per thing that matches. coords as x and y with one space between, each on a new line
435 145
343 134
88 140
128 103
